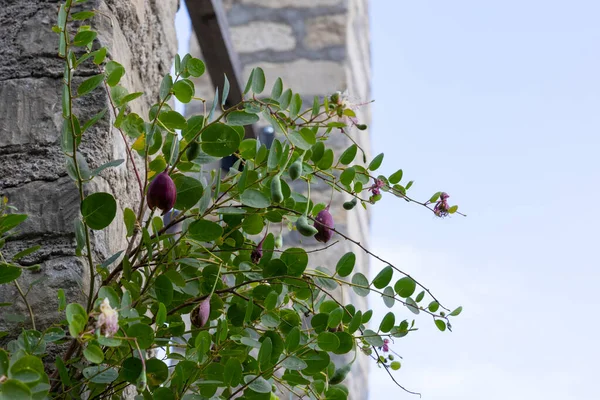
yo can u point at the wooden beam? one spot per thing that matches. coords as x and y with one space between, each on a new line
212 30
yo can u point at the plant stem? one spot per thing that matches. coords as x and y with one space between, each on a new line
27 304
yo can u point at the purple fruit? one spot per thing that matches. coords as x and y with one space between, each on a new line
162 192
257 253
199 315
324 225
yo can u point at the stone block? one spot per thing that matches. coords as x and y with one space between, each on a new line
292 3
325 31
262 35
306 76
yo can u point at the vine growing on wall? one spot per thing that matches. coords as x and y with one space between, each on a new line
206 247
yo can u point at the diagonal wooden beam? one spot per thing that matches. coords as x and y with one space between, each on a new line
212 30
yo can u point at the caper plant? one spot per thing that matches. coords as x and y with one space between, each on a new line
204 300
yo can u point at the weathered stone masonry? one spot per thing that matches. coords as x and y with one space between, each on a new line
140 35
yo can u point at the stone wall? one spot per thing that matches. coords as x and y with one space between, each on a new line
317 47
140 35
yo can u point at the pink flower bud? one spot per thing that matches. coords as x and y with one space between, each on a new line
199 315
162 192
324 225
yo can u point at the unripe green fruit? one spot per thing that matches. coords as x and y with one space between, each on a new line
193 151
276 193
340 374
279 242
349 205
304 227
295 170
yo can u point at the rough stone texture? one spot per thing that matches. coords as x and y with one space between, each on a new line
257 36
324 31
291 3
140 34
331 53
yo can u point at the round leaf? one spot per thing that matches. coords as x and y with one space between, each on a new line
405 287
254 198
327 341
220 140
383 277
189 192
93 354
345 265
362 288
204 230
98 210
164 289
143 333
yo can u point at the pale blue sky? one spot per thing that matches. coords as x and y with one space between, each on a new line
496 103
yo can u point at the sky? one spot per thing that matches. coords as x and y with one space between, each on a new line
496 103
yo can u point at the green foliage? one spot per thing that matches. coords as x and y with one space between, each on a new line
260 315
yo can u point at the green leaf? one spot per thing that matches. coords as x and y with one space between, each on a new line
100 55
220 140
204 230
293 363
292 340
258 384
405 287
387 323
28 369
327 341
196 67
164 289
345 265
298 140
99 210
295 106
143 333
131 369
452 209
189 191
258 80
348 155
161 315
388 297
383 277
441 325
435 197
100 374
277 89
165 87
9 273
90 84
326 161
110 164
80 16
376 162
10 221
395 177
254 198
355 322
184 90
77 318
241 118
412 306
13 389
296 260
433 306
249 83
114 72
335 317
264 354
172 120
285 99
106 292
275 153
84 38
157 372
372 338
233 372
226 87
456 312
62 300
130 220
93 354
363 284
395 365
